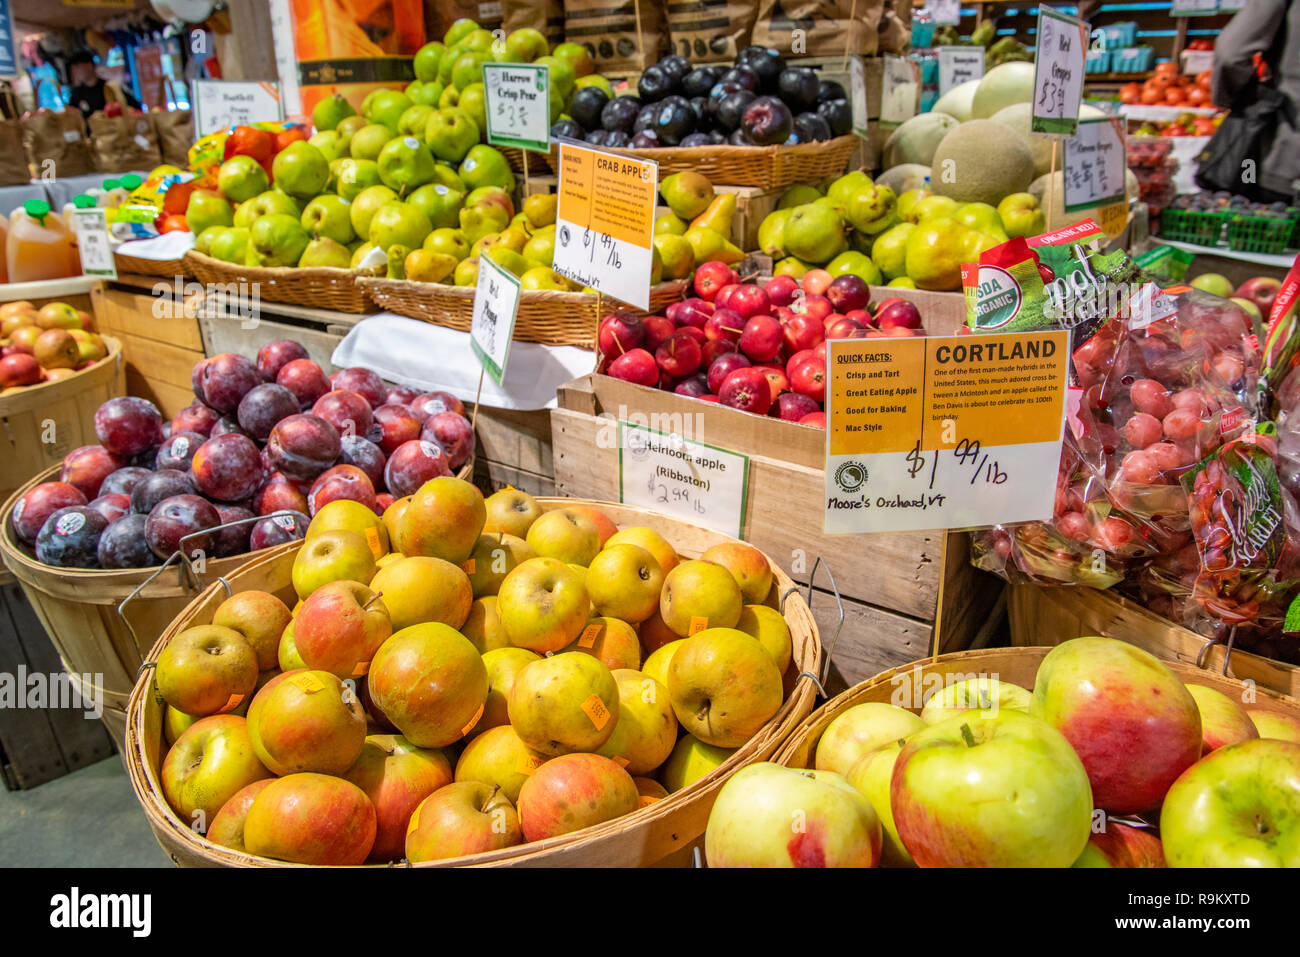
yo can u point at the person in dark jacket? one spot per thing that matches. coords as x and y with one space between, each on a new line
87 90
1270 28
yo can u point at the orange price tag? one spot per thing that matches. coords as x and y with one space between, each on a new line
372 539
648 799
698 624
362 669
528 763
414 823
468 566
307 683
589 635
231 703
472 721
621 761
595 709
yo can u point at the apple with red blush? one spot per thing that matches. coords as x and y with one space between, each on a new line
657 330
341 482
723 367
897 314
748 390
724 324
680 355
819 307
636 366
802 332
782 290
761 338
619 334
711 277
810 379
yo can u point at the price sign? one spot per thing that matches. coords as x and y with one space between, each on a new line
698 483
944 12
898 92
91 227
1058 71
944 432
496 299
858 95
1093 164
604 222
957 65
518 105
220 104
1194 8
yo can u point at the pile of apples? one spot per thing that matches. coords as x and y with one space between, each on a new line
466 675
761 349
274 437
989 774
1168 87
45 344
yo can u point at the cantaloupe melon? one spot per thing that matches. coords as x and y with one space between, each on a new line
915 140
1017 116
1003 85
903 177
979 162
957 101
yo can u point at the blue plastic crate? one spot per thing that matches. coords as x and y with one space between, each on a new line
1115 36
930 70
928 99
1132 60
1097 61
922 34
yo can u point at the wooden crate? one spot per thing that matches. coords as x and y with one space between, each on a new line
1044 615
891 583
514 449
159 335
38 744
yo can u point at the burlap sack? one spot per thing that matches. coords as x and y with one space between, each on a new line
798 28
546 16
710 31
439 15
895 30
609 31
175 130
56 144
13 157
124 143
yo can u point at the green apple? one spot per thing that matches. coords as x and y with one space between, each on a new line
366 203
860 729
550 704
349 126
207 208
440 203
331 217
447 61
768 815
691 760
485 166
982 693
231 245
525 45
468 68
450 97
576 55
369 140
331 143
241 178
323 251
278 239
354 175
398 224
450 242
330 111
426 61
404 164
301 170
387 108
451 133
414 120
562 74
482 40
1213 283
991 789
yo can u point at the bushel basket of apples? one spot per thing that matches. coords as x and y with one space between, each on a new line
515 681
1089 754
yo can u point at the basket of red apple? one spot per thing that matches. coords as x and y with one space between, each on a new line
755 346
513 681
1090 754
262 448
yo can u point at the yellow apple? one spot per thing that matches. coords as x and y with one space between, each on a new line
612 642
340 627
724 686
656 666
330 557
343 514
543 606
209 763
391 520
421 589
260 617
860 729
511 511
206 669
698 595
769 627
650 540
563 704
306 721
502 665
443 520
624 581
654 633
747 565
691 760
498 757
495 555
566 535
430 682
646 730
287 656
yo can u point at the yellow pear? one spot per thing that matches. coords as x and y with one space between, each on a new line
688 194
542 277
710 245
540 249
466 273
670 223
540 208
718 216
424 265
677 255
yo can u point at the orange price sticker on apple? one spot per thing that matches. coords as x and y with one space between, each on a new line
372 539
698 624
362 669
413 824
595 709
231 703
472 721
528 763
468 566
621 761
307 683
589 635
647 799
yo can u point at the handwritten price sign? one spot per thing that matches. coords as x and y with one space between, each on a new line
944 432
1058 71
1093 164
492 327
604 223
91 228
958 65
697 483
518 105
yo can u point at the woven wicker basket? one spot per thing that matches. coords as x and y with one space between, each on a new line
664 829
166 268
539 164
551 318
322 288
764 167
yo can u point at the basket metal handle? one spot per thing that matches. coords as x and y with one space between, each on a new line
820 680
1227 654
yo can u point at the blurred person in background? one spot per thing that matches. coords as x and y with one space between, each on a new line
88 92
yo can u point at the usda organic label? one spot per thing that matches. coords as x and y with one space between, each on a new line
518 105
999 298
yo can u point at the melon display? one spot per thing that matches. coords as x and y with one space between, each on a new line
957 101
905 176
916 139
1002 86
979 163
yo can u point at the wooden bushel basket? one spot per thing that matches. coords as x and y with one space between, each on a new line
906 685
646 836
323 287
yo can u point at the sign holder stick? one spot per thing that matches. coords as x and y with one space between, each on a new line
478 394
1051 182
936 640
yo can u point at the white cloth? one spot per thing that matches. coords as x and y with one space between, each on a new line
425 356
161 248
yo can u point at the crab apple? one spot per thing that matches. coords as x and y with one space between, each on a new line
844 328
723 366
847 292
747 390
782 290
723 299
636 366
776 379
819 307
711 277
364 382
802 332
815 282
453 433
690 312
349 412
695 386
679 356
815 419
273 357
305 379
793 407
128 425
657 330
750 301
761 338
693 332
897 314
713 349
810 380
620 333
724 324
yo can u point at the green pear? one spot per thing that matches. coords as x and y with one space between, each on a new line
595 80
451 133
466 273
789 266
445 173
771 233
203 241
330 217
323 251
525 45
482 40
688 194
576 56
459 30
983 218
278 240
856 264
387 108
562 73
368 141
207 208
797 196
330 111
330 143
397 261
413 121
350 125
301 170
813 232
424 265
366 204
843 188
354 175
244 215
398 224
426 61
360 253
473 103
670 223
424 94
449 242
468 68
438 202
871 209
335 165
485 166
273 201
709 245
479 221
889 251
241 178
231 246
675 252
509 260
540 248
405 163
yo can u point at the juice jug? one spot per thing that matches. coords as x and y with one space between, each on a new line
40 245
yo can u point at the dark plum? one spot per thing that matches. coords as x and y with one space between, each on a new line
656 83
122 544
273 356
677 67
178 451
87 467
124 480
174 518
738 138
195 417
30 512
305 379
128 425
616 138
743 77
645 119
698 82
112 506
767 121
278 529
830 90
732 108
70 537
765 62
838 114
567 130
586 106
620 113
696 139
233 541
227 378
228 468
263 407
303 446
798 86
364 382
645 140
365 455
155 487
674 121
812 126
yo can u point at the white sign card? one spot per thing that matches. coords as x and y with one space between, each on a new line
496 300
958 65
221 104
691 481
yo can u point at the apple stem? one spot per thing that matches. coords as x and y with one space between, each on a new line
967 736
373 598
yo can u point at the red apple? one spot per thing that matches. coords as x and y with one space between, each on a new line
724 324
761 338
1262 291
714 349
636 366
657 330
848 292
815 419
782 290
723 366
793 407
1120 845
690 312
749 300
898 314
819 307
620 333
679 356
844 328
396 776
815 282
19 368
694 386
802 332
748 390
710 277
810 380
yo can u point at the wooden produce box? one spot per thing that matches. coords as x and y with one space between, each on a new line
514 449
1046 615
159 335
890 583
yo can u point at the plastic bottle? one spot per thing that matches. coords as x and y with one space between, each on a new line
114 194
39 245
